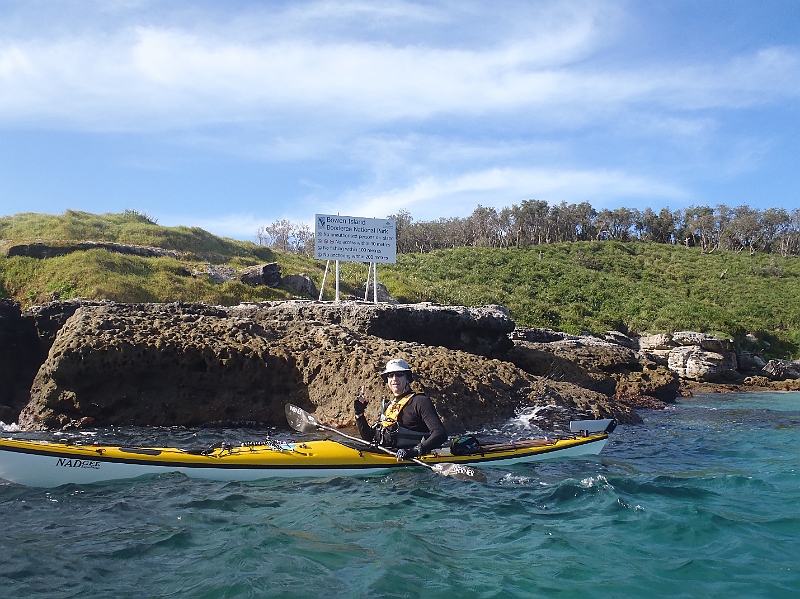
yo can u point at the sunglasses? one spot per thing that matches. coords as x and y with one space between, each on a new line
395 375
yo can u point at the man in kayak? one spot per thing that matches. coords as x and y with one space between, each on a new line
409 423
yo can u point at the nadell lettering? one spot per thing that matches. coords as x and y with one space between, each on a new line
76 463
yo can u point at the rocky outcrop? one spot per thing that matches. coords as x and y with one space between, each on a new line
782 370
195 364
20 354
478 330
268 275
383 294
216 273
602 366
703 340
302 284
51 249
691 362
692 355
750 362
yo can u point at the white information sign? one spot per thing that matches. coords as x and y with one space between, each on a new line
355 239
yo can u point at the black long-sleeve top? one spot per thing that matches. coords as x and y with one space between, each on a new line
417 415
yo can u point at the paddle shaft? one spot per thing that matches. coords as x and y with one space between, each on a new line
363 442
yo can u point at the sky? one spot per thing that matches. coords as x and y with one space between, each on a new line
231 115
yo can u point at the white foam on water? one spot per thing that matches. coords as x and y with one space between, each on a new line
9 428
515 479
598 481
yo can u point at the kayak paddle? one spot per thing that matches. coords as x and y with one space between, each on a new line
303 422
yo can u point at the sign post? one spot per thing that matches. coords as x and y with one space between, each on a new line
355 239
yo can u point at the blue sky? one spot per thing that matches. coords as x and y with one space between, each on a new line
229 115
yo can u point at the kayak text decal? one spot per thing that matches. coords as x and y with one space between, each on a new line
76 463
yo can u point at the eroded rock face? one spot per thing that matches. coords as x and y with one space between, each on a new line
781 370
51 249
693 362
750 362
194 364
20 354
703 340
660 341
479 330
602 366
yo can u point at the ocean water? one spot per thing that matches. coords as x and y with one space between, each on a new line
703 500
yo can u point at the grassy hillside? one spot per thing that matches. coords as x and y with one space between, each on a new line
583 286
596 286
101 274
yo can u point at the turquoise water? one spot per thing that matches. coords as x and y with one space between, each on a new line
703 500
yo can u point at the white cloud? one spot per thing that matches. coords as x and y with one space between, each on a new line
145 78
433 197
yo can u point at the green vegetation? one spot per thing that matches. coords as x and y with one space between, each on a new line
99 274
600 285
130 227
582 286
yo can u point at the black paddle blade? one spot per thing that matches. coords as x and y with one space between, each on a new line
459 471
300 420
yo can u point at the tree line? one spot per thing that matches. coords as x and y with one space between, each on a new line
535 222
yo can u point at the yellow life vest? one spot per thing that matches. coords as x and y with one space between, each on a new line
392 412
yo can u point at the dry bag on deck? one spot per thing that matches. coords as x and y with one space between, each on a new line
465 445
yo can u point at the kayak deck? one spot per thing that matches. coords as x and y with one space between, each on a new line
45 464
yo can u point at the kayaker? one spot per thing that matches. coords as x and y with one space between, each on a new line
409 423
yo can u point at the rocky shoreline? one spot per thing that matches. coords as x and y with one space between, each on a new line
80 363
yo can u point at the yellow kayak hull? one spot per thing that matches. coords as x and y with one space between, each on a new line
45 464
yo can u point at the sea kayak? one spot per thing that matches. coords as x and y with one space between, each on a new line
46 464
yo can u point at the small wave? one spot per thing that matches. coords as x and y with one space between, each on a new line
526 422
599 481
9 428
515 479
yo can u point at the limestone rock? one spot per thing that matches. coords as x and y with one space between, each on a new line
660 341
157 364
757 381
781 370
263 275
217 273
541 359
48 318
620 339
53 248
479 330
693 362
301 283
750 361
635 386
595 364
657 356
590 351
383 294
704 340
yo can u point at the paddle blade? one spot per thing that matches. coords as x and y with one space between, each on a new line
459 472
300 420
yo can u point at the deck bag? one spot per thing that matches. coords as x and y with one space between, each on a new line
465 445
